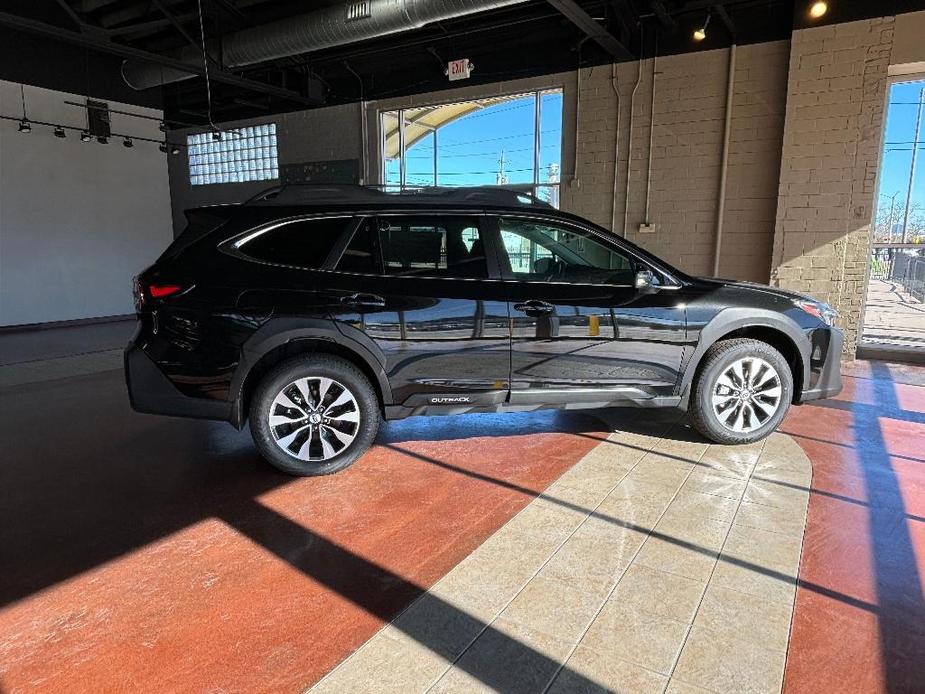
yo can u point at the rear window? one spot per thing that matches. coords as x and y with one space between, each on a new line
303 243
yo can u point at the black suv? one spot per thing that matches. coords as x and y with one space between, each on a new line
313 311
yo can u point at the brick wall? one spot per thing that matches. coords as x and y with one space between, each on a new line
831 148
687 145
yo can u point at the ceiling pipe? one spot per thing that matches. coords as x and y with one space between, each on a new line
337 25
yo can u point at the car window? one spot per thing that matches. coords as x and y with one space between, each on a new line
360 254
303 243
445 246
541 251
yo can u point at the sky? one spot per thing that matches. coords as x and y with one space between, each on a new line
897 145
470 147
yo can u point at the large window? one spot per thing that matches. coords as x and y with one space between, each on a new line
245 154
513 141
302 243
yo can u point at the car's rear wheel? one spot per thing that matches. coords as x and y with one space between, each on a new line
741 392
314 415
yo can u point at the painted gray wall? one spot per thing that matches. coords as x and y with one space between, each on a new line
322 134
77 220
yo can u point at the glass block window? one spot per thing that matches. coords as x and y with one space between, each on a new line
244 154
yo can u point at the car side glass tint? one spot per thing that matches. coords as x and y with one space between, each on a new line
360 254
426 246
303 243
540 251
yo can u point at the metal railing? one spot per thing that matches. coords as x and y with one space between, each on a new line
909 272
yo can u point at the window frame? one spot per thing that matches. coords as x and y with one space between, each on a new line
670 282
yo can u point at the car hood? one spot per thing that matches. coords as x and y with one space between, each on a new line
755 287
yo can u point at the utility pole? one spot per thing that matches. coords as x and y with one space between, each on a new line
915 153
889 226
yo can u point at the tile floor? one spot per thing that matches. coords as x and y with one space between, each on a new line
656 561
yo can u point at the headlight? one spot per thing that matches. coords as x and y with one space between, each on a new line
820 310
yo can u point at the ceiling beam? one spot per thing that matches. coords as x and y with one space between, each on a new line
103 44
577 16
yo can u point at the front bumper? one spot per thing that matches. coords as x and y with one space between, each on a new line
151 392
828 381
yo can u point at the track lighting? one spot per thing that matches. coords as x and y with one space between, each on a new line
85 136
25 126
817 9
127 142
102 140
163 147
701 33
162 126
217 135
174 150
59 131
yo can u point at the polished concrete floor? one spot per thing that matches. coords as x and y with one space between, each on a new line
144 553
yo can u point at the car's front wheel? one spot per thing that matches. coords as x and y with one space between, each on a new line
314 415
742 391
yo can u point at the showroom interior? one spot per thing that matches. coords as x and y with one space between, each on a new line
547 550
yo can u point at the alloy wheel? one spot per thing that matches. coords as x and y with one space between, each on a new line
746 394
314 418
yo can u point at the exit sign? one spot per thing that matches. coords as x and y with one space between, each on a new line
459 69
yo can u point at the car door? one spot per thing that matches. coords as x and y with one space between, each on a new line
421 287
581 329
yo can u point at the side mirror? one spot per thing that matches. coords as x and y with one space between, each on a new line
645 281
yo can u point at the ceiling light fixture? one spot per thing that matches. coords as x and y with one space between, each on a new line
59 131
175 150
163 147
162 126
701 33
217 135
25 126
817 9
102 140
85 136
127 142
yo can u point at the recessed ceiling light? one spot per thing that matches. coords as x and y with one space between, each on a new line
817 9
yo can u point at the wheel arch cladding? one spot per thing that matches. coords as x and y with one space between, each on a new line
282 341
779 331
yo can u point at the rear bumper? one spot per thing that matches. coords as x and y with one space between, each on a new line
151 392
828 382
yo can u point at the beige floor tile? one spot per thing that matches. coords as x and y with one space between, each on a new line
724 662
593 563
705 482
772 493
763 622
731 461
439 625
591 672
639 489
766 549
559 608
696 505
659 592
684 547
645 639
770 518
384 664
506 658
547 518
772 473
751 578
660 470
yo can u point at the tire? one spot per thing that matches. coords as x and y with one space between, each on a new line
735 398
325 415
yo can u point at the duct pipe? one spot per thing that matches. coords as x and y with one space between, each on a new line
724 167
337 25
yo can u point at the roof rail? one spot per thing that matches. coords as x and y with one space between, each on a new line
341 193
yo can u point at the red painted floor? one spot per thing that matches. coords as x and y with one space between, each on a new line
859 620
149 554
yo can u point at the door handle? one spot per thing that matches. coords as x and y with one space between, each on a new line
535 307
363 300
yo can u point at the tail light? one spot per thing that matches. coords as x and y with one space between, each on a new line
144 291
